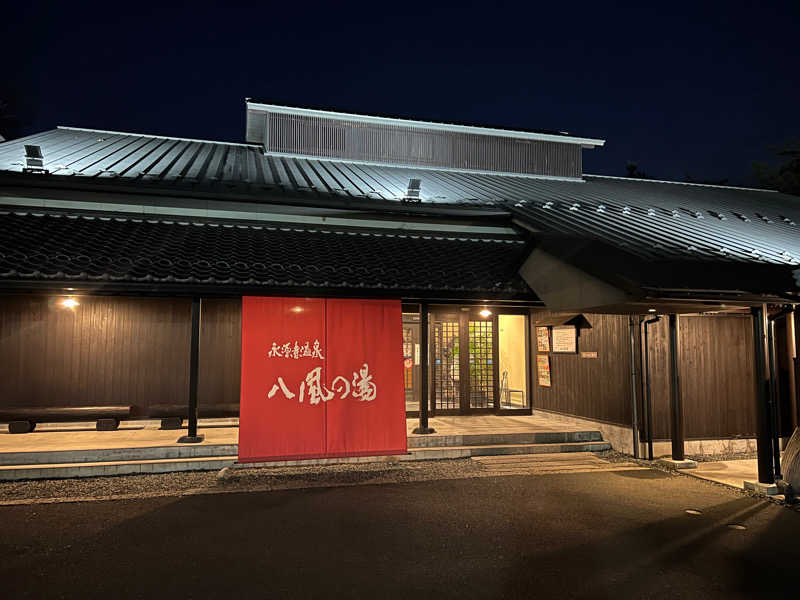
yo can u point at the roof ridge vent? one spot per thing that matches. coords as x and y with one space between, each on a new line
34 160
297 132
413 190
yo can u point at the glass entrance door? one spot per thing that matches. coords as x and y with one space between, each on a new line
464 371
513 353
479 361
446 362
482 363
411 356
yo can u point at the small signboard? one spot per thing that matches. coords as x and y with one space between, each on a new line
588 354
565 339
543 369
543 339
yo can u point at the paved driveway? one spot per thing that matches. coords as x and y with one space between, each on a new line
622 534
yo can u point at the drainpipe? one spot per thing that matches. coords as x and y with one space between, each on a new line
634 407
648 394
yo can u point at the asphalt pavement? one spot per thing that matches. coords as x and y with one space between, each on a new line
622 534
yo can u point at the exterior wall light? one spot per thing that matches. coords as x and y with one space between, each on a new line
485 313
69 303
296 309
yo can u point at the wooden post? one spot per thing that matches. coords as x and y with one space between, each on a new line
676 412
423 369
791 360
773 400
634 401
763 441
194 353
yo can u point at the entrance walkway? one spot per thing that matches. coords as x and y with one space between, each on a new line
491 424
729 472
145 434
141 447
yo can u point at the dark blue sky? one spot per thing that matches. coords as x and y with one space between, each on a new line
701 88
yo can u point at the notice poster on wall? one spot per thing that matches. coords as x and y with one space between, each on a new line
543 339
543 369
565 339
321 378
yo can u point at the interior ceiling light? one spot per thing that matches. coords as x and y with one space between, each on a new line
485 313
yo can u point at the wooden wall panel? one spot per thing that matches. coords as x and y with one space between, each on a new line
107 350
716 376
116 350
596 388
220 361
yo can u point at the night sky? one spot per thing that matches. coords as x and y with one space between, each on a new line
699 90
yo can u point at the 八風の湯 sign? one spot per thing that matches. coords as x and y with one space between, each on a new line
321 378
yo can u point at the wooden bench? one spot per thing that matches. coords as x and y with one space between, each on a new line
24 419
172 415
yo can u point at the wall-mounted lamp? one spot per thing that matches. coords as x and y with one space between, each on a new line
69 303
485 313
296 309
651 310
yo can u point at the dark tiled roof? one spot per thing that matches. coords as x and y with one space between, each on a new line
669 221
235 257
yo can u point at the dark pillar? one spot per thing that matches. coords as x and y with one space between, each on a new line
791 380
676 412
634 403
763 445
194 352
423 370
773 401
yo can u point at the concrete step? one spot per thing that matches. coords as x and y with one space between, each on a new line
494 439
117 454
437 453
107 468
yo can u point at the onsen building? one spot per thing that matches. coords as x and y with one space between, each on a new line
333 261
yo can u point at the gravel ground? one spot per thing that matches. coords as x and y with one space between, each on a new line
721 457
276 478
240 479
248 479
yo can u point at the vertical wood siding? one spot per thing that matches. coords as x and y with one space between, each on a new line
596 388
716 376
220 352
115 350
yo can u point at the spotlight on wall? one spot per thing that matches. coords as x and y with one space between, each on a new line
69 303
485 313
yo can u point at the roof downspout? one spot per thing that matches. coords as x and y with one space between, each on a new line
648 393
634 407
